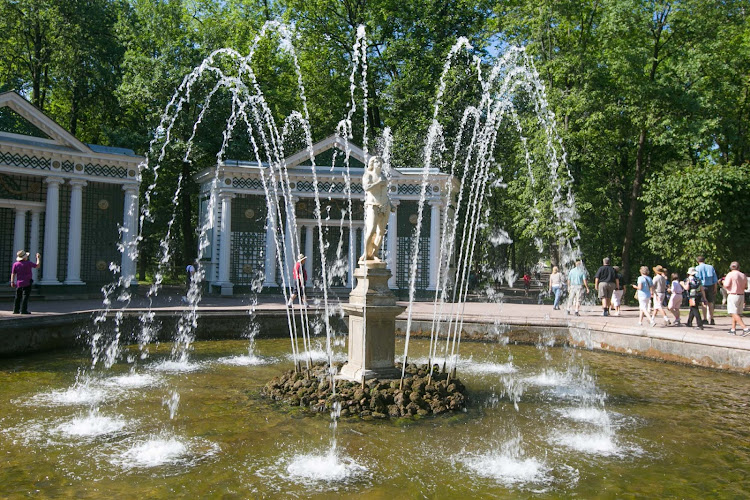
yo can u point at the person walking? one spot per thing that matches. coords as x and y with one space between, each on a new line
735 283
555 286
660 293
696 296
644 285
605 282
577 280
675 299
20 279
299 278
617 293
526 284
709 279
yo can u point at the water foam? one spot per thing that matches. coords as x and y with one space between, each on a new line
79 394
508 469
177 366
132 381
593 443
157 451
488 368
91 426
245 360
329 467
317 355
586 414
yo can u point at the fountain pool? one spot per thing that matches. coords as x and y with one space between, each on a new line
546 422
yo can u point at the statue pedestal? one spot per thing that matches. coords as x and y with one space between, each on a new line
372 312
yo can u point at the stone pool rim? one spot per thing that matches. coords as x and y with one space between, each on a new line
522 324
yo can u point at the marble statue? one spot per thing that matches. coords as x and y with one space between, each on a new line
377 208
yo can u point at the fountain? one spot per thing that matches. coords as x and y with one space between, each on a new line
540 420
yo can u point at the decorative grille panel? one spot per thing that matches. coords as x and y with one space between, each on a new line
7 252
22 187
247 263
248 239
63 219
405 256
102 213
406 218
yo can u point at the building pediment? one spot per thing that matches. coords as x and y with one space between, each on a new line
302 157
50 133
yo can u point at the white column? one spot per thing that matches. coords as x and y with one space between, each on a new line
225 243
73 275
352 257
309 242
392 235
51 227
129 234
269 266
19 231
34 239
436 206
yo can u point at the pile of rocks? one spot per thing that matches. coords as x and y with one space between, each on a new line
377 399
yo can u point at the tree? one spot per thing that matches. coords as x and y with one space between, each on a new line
699 210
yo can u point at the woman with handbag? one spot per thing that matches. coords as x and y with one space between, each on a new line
696 296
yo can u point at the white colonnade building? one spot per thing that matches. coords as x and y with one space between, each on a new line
72 202
242 253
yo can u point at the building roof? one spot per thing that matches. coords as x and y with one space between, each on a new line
32 143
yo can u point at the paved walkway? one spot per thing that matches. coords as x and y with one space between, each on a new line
529 314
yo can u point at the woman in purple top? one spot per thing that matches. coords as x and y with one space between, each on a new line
20 279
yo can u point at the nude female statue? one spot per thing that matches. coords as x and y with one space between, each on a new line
377 208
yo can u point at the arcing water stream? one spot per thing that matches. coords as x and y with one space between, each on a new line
231 76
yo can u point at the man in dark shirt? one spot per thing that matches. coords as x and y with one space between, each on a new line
605 282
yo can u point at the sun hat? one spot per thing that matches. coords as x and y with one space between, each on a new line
21 255
301 257
691 271
658 269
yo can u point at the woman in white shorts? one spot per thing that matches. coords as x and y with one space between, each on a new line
675 300
644 286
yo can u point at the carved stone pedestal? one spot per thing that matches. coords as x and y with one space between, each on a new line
372 312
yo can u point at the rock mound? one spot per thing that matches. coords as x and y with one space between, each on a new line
377 399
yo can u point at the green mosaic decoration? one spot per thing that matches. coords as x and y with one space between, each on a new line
327 187
106 171
17 160
247 183
409 189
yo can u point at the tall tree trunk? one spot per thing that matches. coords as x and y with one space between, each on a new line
660 20
632 211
